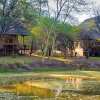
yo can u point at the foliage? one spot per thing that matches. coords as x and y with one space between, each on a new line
45 25
66 36
37 18
15 10
67 29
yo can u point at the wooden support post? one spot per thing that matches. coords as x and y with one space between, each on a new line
13 50
24 44
31 49
21 47
5 51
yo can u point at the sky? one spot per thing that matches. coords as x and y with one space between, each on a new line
83 16
88 15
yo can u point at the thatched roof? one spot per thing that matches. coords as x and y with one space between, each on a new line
91 34
15 28
90 29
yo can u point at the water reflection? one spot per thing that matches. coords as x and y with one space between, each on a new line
51 87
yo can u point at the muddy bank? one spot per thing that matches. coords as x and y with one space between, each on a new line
82 64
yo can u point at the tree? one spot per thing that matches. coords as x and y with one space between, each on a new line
66 36
39 6
41 31
96 12
14 10
63 10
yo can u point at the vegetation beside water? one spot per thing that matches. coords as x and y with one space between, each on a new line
45 80
49 80
51 70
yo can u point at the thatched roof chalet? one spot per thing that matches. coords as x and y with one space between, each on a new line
90 34
15 28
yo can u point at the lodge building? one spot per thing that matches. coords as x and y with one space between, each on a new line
89 41
9 43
